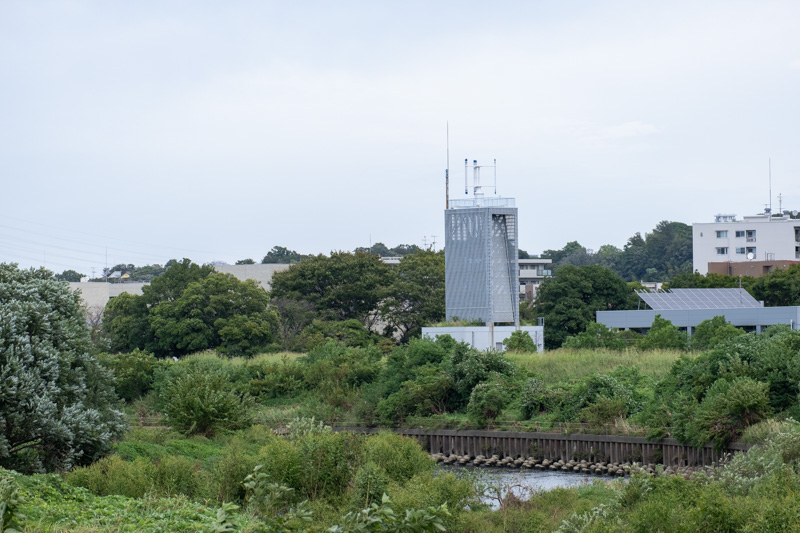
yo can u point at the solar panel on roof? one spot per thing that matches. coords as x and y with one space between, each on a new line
683 299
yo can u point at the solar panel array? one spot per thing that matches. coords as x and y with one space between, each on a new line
683 299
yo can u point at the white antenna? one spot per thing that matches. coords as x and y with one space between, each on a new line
770 188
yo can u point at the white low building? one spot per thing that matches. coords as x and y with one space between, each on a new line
486 337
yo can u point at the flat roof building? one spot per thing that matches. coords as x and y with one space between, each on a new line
753 246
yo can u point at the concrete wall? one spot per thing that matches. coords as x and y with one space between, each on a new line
480 337
261 273
96 294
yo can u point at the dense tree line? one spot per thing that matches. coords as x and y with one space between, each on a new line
658 256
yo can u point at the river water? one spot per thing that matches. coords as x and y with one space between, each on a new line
496 483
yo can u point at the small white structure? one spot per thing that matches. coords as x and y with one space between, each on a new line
486 337
756 238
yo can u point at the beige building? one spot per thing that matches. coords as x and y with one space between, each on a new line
96 294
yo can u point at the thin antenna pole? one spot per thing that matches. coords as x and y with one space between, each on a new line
447 172
466 170
495 176
770 188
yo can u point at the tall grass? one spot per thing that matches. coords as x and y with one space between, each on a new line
569 365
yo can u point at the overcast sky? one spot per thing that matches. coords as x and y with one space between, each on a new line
217 130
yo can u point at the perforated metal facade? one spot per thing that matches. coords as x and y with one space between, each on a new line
481 266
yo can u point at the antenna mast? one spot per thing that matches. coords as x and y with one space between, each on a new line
770 187
447 172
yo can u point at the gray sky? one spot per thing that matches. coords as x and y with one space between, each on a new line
216 130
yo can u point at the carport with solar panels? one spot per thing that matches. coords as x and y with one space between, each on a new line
686 308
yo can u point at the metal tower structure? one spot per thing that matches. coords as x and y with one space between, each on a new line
481 261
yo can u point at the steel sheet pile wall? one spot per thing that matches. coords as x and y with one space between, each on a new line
554 446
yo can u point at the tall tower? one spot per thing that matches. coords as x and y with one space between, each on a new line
481 261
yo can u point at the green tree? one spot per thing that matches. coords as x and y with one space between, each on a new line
779 287
520 341
58 406
569 301
712 332
662 335
218 311
245 262
416 294
597 335
125 323
341 287
69 275
279 254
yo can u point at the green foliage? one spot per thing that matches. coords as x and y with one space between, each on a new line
191 308
662 335
710 333
569 301
203 401
381 517
415 297
69 275
58 405
347 332
726 410
133 372
779 287
279 254
534 398
520 341
342 286
486 402
217 311
596 335
9 503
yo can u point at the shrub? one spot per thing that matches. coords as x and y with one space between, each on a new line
710 333
203 402
520 341
662 335
9 501
486 402
400 457
596 335
113 475
133 372
369 485
535 398
727 409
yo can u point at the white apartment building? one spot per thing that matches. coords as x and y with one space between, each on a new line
764 241
531 274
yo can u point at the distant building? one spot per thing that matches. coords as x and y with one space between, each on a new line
96 294
686 308
753 246
532 272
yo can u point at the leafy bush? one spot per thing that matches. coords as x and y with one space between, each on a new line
709 333
400 457
596 335
9 501
369 485
487 402
133 372
535 397
662 335
203 402
520 341
114 475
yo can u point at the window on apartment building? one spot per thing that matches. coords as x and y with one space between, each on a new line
740 233
722 234
740 251
751 250
751 235
722 251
